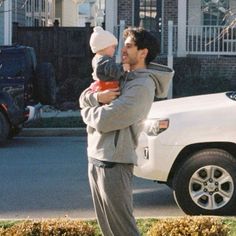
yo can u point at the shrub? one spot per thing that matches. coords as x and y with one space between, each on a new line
53 227
185 226
189 226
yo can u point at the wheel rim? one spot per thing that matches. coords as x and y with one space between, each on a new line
211 187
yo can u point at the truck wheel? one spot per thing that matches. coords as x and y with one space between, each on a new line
15 130
4 128
206 184
46 84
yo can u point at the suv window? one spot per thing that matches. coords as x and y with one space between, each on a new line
231 95
11 64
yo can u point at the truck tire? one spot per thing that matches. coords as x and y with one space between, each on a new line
4 128
14 131
206 183
46 84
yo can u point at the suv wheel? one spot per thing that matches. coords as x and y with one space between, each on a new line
205 183
4 128
46 83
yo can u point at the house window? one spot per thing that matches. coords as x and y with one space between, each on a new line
36 5
214 11
36 22
43 5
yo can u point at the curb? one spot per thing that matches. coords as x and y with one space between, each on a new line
42 132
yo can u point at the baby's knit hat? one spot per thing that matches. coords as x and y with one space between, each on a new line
101 39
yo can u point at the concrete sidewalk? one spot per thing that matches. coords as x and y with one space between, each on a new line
57 113
40 132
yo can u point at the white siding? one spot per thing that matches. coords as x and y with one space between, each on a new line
232 4
194 13
18 11
69 13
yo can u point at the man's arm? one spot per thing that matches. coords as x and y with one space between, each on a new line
122 112
88 98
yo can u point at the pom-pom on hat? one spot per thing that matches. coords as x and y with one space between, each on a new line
101 39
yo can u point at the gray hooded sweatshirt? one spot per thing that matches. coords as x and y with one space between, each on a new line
113 129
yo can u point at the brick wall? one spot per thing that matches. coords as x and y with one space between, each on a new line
202 74
223 66
170 13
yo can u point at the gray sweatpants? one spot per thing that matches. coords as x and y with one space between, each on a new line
112 197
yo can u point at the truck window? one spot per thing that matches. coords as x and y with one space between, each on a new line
11 65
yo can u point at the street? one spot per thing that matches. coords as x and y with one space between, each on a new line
46 177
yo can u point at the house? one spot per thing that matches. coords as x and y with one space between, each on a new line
39 13
35 13
92 11
10 11
25 13
66 12
193 22
197 37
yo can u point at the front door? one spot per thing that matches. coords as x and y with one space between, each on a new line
148 14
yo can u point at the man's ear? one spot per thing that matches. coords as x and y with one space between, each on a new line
144 52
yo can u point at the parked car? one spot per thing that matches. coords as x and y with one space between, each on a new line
24 87
190 145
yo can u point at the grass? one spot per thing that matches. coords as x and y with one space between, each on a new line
145 224
231 223
8 223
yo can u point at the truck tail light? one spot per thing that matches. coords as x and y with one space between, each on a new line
4 106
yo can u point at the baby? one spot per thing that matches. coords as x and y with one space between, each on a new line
106 72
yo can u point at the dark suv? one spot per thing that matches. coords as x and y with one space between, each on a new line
24 87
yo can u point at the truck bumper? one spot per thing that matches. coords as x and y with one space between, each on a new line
33 113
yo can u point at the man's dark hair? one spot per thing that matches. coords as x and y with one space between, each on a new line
144 39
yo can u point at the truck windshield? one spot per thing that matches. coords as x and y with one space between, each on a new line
11 65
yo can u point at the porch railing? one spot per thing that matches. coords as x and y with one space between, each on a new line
208 40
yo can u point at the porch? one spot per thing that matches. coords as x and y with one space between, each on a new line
203 28
202 40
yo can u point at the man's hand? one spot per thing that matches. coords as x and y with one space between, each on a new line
105 97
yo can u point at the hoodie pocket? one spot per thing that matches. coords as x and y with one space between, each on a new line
116 137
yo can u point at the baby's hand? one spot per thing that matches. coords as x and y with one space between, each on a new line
126 67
